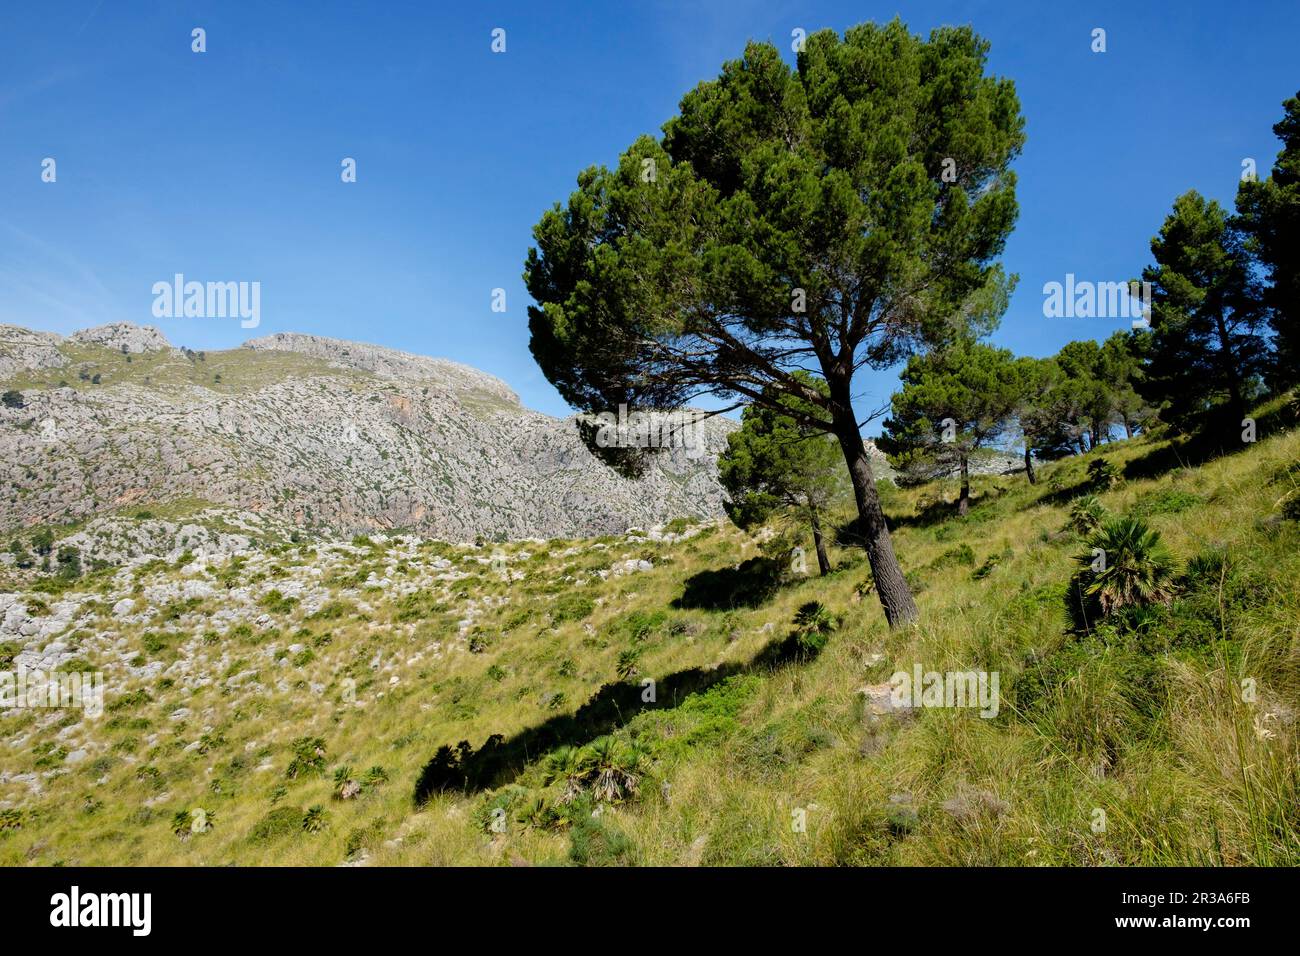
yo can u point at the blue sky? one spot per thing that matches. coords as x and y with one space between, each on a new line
225 165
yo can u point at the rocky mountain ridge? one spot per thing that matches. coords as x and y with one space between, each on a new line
315 432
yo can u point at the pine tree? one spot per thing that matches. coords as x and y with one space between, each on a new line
1207 343
776 464
829 217
1268 213
954 402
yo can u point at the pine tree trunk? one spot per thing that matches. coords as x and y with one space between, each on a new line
963 502
891 587
1029 466
1128 428
823 560
1230 370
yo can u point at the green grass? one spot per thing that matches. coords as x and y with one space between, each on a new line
1173 723
238 370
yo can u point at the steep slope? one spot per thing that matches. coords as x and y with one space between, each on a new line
395 700
313 431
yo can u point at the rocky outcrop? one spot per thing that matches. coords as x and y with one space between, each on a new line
360 438
388 363
124 337
22 350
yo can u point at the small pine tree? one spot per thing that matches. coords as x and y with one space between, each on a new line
953 403
775 464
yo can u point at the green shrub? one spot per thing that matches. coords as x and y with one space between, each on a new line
1086 514
592 842
962 554
308 757
626 666
280 822
1167 502
814 625
991 562
1133 567
276 603
315 819
572 606
1103 475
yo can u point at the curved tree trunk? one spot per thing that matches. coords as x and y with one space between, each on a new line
1029 466
895 595
823 560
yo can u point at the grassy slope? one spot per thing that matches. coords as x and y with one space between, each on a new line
228 371
1147 727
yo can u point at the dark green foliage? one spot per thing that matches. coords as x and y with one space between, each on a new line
962 554
1086 514
12 399
1207 345
316 819
276 603
953 402
626 665
279 823
774 463
1268 214
308 757
69 563
42 541
21 558
592 842
991 563
1128 566
572 606
814 625
715 261
1103 475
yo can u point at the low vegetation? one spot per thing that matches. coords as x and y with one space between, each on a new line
687 697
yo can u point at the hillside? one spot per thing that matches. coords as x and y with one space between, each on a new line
315 432
272 697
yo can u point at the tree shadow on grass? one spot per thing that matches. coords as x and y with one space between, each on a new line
1219 434
750 584
1064 495
500 760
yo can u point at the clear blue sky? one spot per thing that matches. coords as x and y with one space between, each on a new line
225 165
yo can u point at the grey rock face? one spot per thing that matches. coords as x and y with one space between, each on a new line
388 363
23 350
358 438
124 337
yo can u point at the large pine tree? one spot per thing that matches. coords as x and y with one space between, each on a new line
1268 212
828 217
1207 342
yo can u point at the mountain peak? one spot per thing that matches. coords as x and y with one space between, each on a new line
125 337
387 363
